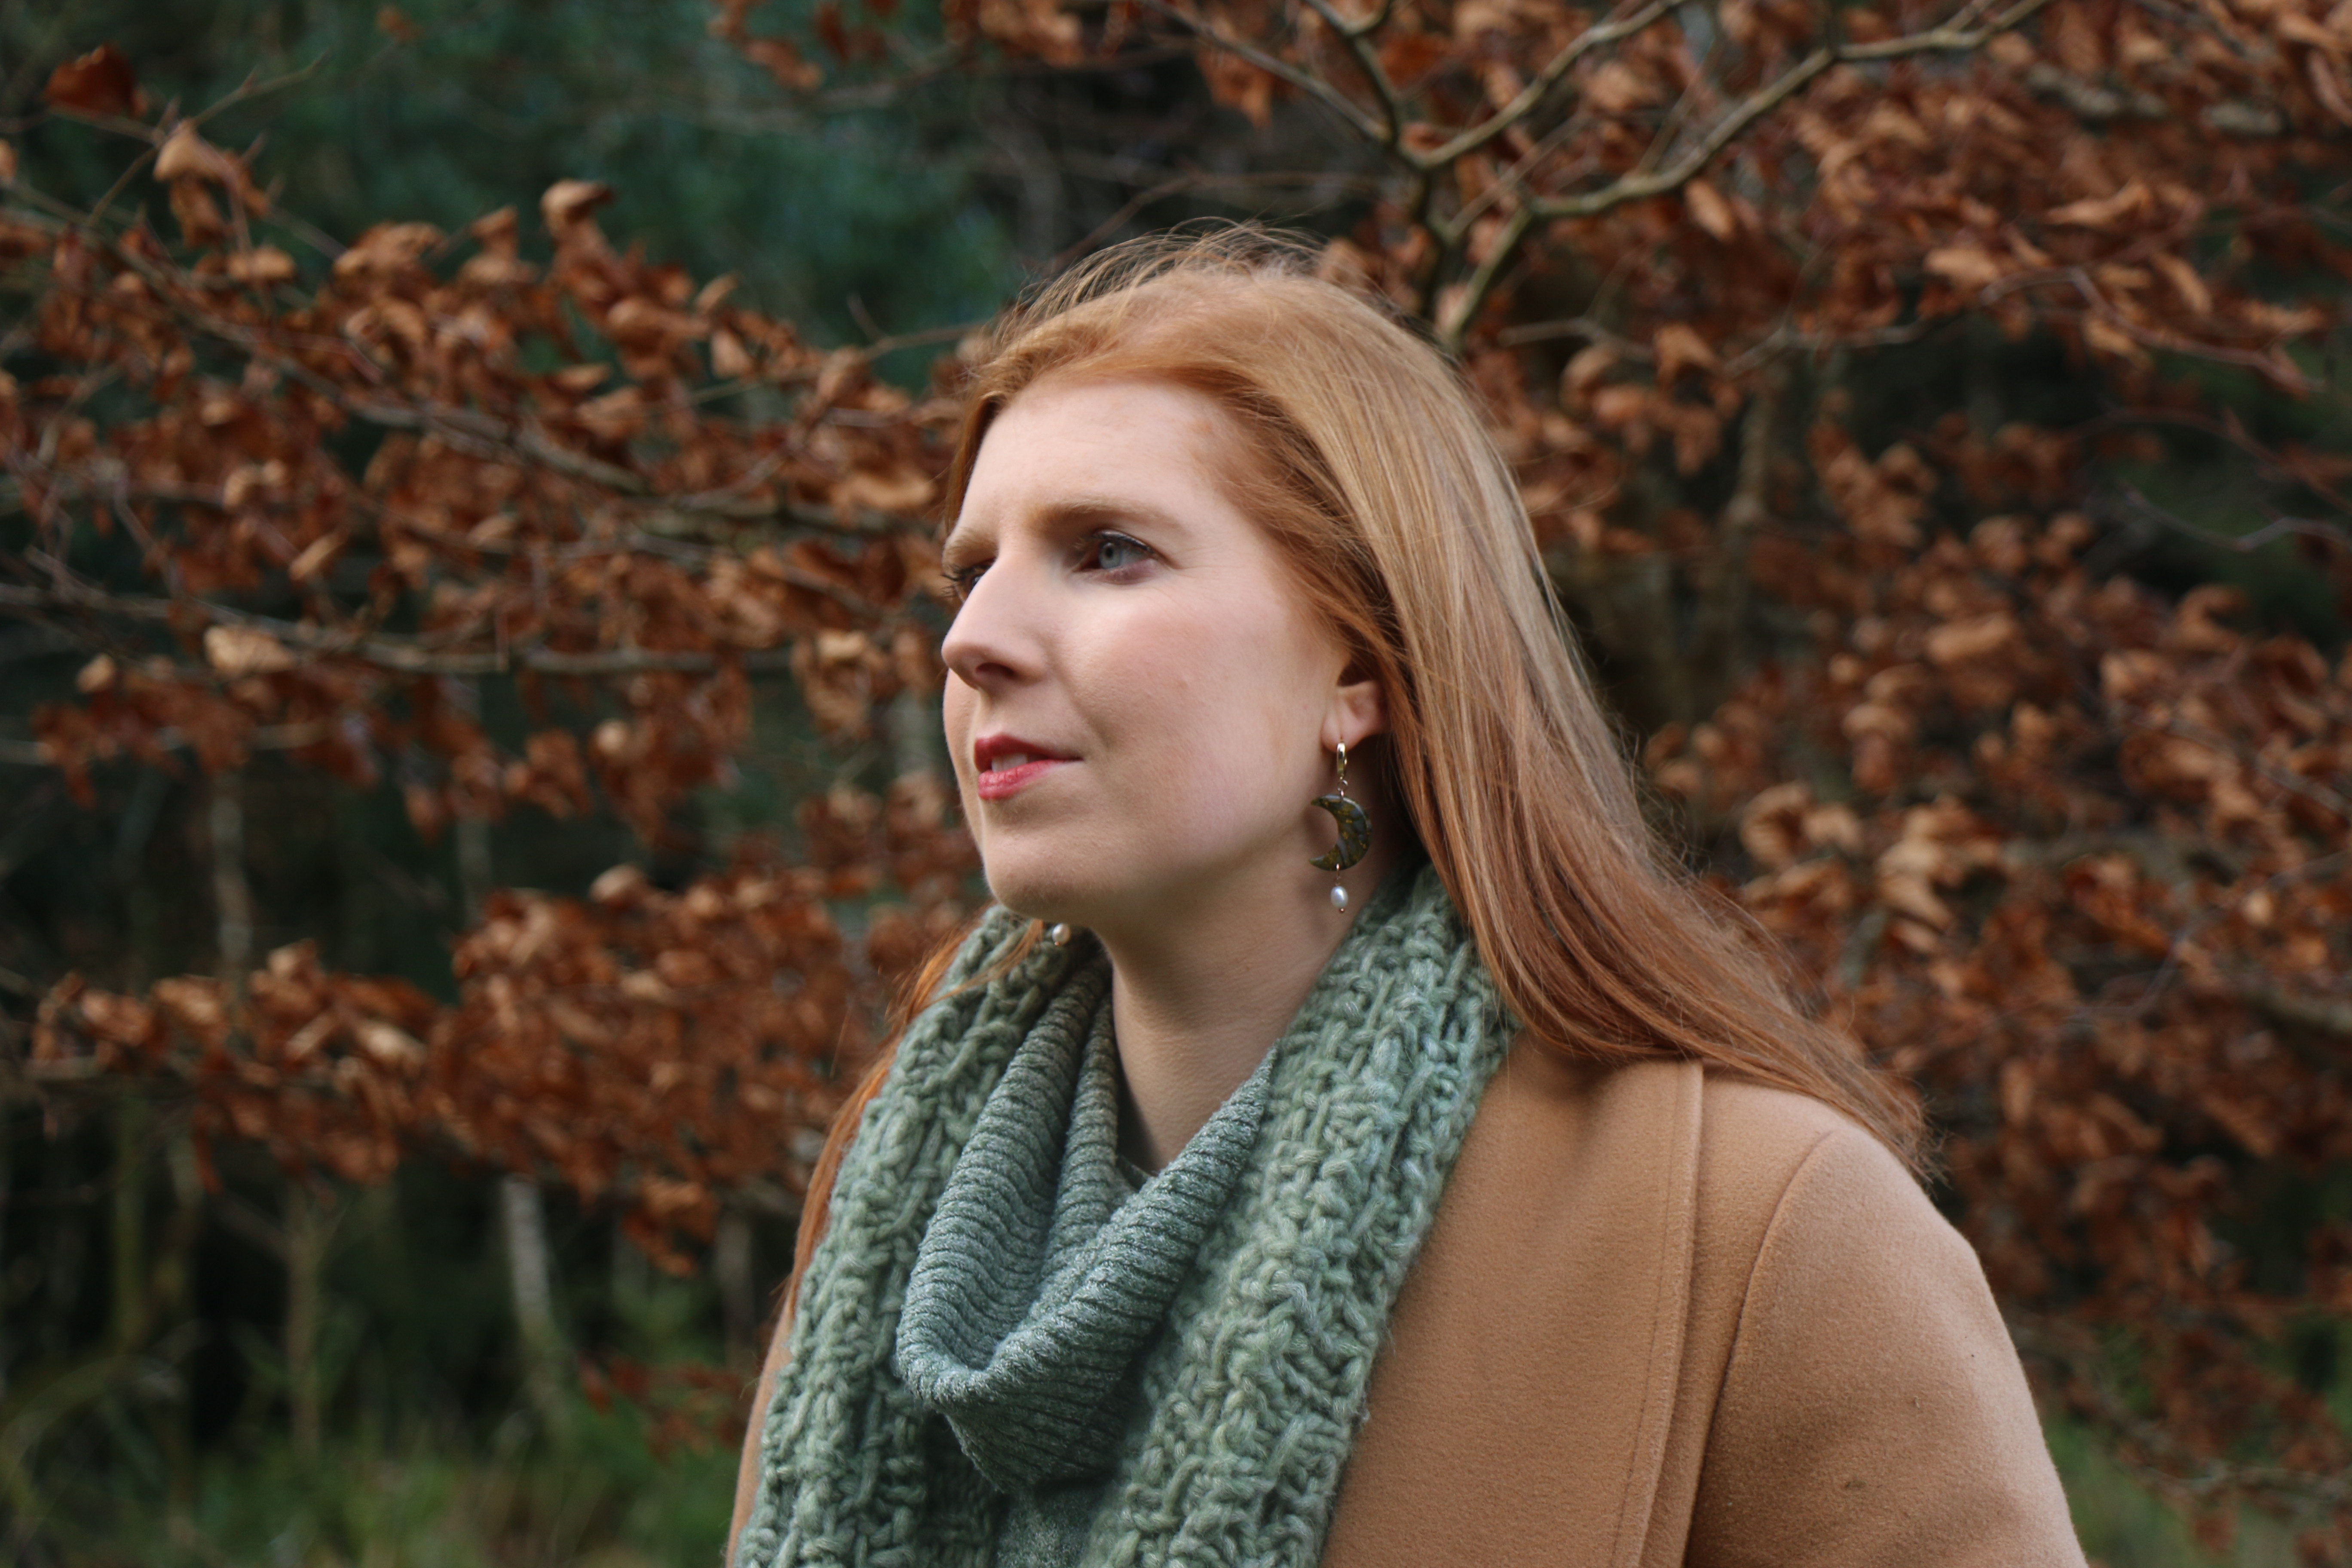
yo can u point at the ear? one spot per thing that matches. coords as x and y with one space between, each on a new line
1358 710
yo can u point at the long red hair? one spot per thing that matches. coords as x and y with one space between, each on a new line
1367 462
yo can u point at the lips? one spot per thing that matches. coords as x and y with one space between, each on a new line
1007 764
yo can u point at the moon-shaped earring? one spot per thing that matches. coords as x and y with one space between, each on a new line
1355 832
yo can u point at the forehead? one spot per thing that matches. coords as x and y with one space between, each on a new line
1140 445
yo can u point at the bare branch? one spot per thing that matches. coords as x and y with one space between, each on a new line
1583 327
1691 164
1368 61
2187 935
1463 307
1531 97
2327 1016
2280 527
1719 627
2074 1358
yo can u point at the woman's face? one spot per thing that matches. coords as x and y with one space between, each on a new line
1140 701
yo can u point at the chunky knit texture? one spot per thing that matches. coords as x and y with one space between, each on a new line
1045 1273
1045 1276
1247 1401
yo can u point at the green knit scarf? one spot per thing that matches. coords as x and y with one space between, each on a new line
988 1319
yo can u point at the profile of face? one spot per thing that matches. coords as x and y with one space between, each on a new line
1141 704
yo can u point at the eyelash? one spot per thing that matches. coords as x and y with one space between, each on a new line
961 580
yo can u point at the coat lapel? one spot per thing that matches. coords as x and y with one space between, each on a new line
1520 1412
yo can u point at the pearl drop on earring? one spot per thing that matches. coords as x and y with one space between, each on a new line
1340 897
1058 934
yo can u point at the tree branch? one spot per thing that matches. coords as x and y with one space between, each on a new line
402 655
1531 97
1463 308
1368 61
1639 187
2326 1015
487 437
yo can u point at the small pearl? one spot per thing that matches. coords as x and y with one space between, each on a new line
1338 897
1058 934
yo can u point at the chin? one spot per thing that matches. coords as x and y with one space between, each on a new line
1060 876
1033 886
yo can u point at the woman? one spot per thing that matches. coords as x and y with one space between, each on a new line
1463 1191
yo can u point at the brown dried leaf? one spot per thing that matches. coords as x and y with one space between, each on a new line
237 651
99 82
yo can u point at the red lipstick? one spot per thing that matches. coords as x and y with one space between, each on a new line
1006 765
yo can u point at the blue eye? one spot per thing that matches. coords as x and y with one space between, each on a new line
1115 552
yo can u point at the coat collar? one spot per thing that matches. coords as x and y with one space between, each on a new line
1520 1410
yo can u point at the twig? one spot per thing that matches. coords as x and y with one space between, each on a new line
1639 187
1464 307
1529 97
2327 1016
1313 86
2243 543
1368 61
2189 934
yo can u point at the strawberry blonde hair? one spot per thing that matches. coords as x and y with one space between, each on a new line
1403 526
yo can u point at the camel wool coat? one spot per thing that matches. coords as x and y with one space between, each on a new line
1664 1316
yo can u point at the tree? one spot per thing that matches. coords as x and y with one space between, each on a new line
1844 354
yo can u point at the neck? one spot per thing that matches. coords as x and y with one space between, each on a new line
1199 996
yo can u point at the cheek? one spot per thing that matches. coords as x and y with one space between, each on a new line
1215 715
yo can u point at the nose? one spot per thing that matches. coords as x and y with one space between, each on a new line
993 642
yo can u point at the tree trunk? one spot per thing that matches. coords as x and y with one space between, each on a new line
170 1296
1719 652
1627 607
522 1209
232 894
8 1191
129 1271
632 1276
523 1212
309 1222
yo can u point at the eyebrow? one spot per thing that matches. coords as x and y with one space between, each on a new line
1081 511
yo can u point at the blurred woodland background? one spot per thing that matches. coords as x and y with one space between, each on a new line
468 771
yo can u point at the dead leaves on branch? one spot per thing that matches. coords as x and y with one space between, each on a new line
659 1051
549 488
2081 861
1772 179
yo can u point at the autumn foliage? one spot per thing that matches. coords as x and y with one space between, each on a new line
2069 850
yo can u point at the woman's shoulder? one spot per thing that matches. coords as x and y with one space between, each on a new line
1767 1156
1843 1385
1746 1171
